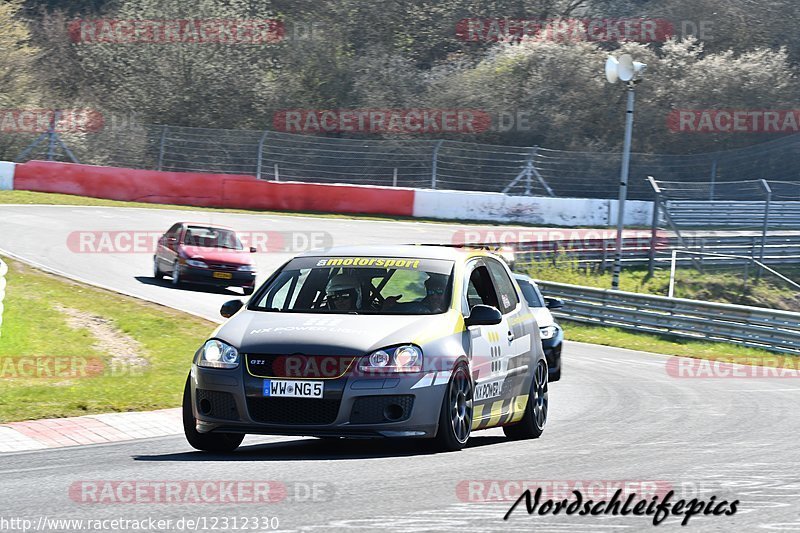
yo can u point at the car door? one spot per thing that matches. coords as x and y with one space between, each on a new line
518 354
487 346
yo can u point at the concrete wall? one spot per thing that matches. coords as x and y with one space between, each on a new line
246 192
542 210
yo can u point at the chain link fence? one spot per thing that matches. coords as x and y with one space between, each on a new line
431 163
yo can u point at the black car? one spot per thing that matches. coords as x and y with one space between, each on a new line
551 333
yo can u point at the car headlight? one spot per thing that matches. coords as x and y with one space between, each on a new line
217 354
246 268
548 332
196 263
405 358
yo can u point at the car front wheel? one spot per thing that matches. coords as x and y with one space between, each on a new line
533 421
455 419
207 442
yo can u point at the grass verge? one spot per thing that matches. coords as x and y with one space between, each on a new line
725 287
668 345
39 339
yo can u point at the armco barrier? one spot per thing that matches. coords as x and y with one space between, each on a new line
209 190
777 331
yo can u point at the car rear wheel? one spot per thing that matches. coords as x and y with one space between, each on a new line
156 270
535 418
455 419
207 442
248 290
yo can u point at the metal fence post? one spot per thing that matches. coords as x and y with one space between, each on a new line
434 162
713 179
260 154
654 228
161 147
394 177
671 290
767 201
51 141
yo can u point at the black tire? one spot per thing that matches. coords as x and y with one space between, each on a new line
455 418
207 442
535 418
176 274
555 376
248 290
157 274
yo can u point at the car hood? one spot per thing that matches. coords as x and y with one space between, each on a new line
543 316
218 255
329 334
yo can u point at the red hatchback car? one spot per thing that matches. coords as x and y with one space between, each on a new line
209 255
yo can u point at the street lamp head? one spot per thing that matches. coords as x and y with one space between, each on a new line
624 69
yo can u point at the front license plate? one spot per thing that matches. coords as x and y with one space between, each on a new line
293 388
222 275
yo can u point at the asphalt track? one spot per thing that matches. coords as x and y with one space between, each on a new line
617 416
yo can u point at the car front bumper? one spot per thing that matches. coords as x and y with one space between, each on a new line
552 351
206 276
398 405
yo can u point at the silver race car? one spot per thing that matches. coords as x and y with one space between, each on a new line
393 341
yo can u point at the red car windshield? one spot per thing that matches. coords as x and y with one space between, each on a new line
207 237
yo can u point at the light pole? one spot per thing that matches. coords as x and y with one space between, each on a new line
628 71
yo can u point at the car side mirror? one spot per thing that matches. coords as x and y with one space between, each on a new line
253 249
553 303
230 308
483 315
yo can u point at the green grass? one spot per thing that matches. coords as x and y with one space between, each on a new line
709 286
668 345
33 327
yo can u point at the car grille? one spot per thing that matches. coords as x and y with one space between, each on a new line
216 404
374 409
298 366
299 411
222 266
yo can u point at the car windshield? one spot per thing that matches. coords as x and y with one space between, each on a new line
360 285
211 238
531 293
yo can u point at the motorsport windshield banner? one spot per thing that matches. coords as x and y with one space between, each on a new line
439 266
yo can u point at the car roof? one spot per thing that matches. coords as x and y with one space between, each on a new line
523 277
419 251
206 225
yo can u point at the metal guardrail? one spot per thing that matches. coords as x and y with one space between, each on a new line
778 249
3 270
773 330
734 213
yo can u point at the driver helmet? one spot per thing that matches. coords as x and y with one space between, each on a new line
340 288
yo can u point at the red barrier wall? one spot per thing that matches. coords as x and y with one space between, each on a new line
209 190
